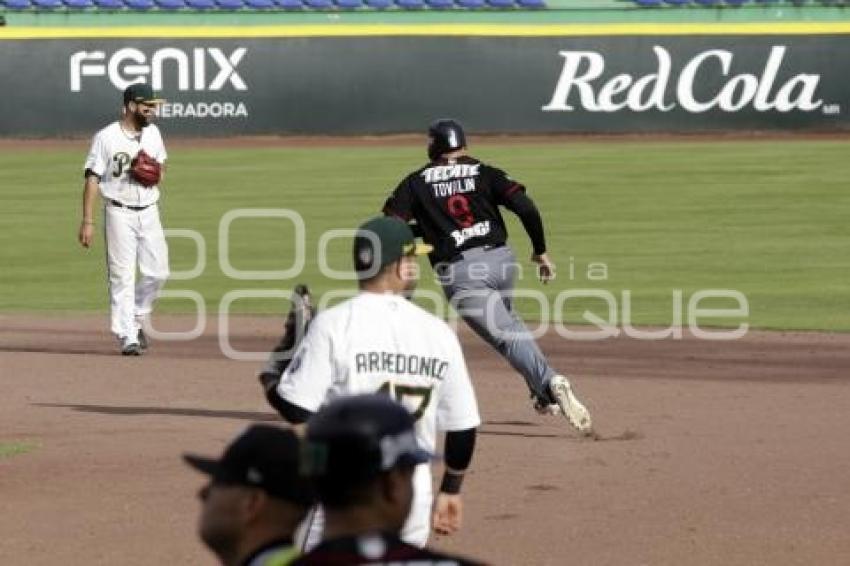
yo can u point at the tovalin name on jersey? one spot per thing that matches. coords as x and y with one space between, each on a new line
582 70
456 187
402 364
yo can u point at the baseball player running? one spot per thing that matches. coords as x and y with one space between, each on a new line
454 201
124 164
378 341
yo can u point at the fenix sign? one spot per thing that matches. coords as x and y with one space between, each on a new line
579 86
197 69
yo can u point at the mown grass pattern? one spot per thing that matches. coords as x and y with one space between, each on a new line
767 218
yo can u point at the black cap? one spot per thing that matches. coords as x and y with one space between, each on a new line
382 240
357 437
141 92
263 456
444 136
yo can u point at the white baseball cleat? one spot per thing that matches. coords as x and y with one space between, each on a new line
576 413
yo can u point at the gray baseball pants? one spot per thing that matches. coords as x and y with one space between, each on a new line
480 288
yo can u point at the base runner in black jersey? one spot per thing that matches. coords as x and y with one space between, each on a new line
454 201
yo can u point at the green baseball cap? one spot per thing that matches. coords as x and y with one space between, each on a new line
381 241
141 92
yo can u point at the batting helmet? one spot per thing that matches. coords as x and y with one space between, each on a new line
444 136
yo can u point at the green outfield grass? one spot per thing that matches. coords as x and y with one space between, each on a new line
766 218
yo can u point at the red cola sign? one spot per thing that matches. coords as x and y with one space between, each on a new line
580 85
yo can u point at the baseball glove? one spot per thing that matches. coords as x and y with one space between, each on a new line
145 170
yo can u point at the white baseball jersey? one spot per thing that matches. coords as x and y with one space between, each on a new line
112 150
383 342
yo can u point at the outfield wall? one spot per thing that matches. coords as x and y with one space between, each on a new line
371 80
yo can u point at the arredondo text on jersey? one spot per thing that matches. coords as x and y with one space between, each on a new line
401 364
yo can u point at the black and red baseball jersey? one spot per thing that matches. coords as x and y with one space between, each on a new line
376 548
455 204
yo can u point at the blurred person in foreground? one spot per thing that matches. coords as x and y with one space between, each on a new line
255 498
361 452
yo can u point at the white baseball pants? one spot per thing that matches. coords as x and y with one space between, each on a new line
133 237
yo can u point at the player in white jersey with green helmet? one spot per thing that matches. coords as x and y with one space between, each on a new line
132 227
379 341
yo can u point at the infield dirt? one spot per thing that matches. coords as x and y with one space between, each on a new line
708 452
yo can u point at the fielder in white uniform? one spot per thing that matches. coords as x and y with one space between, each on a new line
132 227
379 341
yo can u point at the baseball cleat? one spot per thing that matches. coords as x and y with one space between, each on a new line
576 413
130 346
143 340
131 349
544 407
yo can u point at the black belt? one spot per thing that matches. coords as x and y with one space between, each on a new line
122 205
459 256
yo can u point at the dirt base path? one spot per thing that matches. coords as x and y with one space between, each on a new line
709 452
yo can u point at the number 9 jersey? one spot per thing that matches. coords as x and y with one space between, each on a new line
383 342
456 205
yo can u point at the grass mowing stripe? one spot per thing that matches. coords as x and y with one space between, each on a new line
764 217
